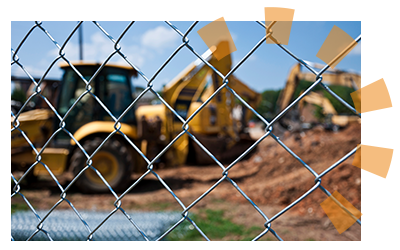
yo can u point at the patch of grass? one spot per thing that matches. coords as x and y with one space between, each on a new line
215 226
18 207
153 206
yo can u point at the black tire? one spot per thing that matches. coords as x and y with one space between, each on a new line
113 161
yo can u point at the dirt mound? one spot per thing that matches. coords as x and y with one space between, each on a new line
281 178
274 177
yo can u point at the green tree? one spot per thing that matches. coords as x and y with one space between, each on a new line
18 95
267 107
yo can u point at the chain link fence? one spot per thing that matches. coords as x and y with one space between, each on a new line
93 226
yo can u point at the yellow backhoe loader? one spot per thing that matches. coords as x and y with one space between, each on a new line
150 128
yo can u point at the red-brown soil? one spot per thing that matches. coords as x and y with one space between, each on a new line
271 178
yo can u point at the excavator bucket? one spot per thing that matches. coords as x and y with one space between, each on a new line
221 148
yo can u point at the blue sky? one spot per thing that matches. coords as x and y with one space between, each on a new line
148 44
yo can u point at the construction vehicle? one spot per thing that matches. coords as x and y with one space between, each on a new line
148 128
302 116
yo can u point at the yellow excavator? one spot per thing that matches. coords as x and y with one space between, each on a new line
220 126
303 115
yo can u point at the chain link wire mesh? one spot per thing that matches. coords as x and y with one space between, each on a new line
93 226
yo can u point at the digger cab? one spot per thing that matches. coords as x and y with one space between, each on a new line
107 95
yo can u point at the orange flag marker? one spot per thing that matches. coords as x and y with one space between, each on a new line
280 29
278 14
340 211
336 46
218 39
220 19
375 160
375 96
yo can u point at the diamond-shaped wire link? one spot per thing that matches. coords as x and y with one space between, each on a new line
118 51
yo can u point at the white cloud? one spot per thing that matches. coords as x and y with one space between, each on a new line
134 53
99 48
159 38
235 37
356 51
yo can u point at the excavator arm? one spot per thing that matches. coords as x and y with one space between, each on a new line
330 77
215 124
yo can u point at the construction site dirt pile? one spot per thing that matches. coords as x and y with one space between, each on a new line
272 176
280 179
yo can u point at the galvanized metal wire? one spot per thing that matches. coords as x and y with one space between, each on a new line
92 227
